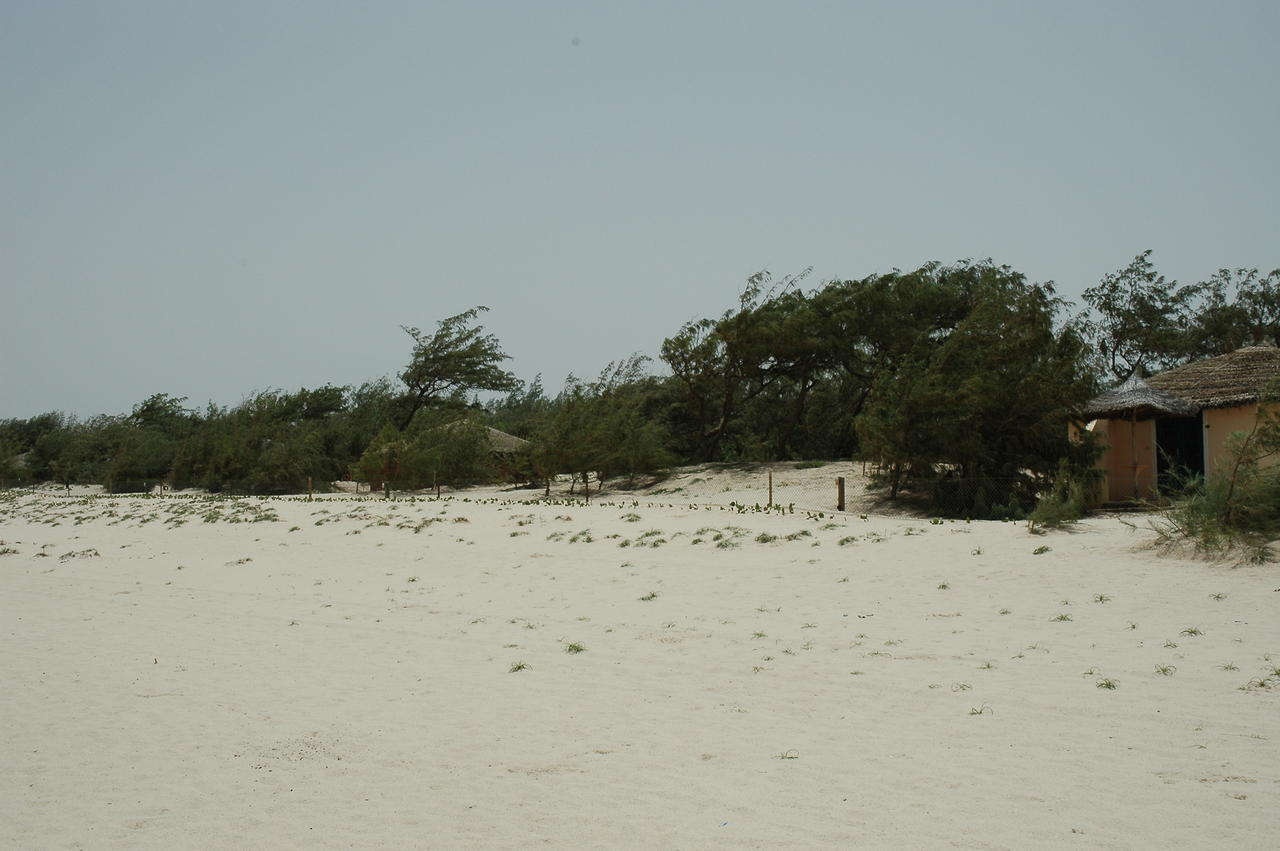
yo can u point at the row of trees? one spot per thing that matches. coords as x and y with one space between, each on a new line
945 374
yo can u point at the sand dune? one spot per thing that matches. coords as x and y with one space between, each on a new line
356 672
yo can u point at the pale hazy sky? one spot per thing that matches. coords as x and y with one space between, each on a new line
211 198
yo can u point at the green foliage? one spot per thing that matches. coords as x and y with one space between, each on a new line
521 412
612 426
1143 322
19 462
144 445
434 451
455 454
459 357
976 405
1241 307
273 442
743 381
75 453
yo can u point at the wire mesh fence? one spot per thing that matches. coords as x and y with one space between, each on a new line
851 488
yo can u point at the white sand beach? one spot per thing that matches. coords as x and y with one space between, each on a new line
184 671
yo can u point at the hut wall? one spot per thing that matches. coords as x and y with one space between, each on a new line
1118 460
1220 424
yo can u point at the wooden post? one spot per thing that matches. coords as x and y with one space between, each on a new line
386 489
770 505
840 493
309 489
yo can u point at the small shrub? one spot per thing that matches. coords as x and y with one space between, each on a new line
1063 504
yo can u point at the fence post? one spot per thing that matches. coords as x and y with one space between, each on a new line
770 505
840 493
386 490
309 489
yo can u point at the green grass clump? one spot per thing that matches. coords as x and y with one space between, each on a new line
1062 505
575 647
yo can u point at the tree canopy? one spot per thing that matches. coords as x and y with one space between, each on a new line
458 358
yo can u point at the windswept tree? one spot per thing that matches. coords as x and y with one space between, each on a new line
722 365
458 358
144 445
1143 322
977 407
613 426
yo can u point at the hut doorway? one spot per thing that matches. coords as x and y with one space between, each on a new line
1179 451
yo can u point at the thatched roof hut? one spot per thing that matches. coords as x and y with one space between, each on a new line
1136 399
1236 378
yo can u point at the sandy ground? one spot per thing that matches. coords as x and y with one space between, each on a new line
197 672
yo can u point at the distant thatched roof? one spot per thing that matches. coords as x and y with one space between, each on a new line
1235 378
1137 399
500 441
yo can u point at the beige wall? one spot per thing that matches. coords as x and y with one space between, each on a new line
1219 425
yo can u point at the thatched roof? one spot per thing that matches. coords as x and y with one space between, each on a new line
1137 399
1235 378
500 441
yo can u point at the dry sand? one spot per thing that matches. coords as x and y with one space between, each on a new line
192 672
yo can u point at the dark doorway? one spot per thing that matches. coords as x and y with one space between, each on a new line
1179 452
